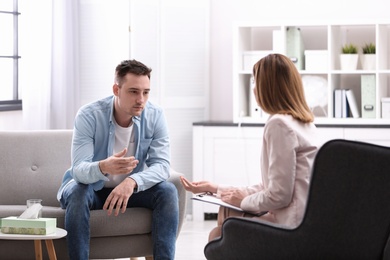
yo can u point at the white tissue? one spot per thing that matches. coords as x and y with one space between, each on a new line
31 212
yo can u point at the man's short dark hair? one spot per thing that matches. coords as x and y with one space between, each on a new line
133 67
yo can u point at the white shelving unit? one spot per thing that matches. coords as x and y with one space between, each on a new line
261 39
215 144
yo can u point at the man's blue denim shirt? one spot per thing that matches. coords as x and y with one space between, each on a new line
94 137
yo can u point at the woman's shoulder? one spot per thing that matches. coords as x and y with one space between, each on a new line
280 119
278 124
286 119
289 122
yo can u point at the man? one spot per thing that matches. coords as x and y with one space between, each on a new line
114 138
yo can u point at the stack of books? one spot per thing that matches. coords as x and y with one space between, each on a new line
345 104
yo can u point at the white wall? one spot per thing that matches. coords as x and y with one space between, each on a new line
224 12
222 15
11 120
104 43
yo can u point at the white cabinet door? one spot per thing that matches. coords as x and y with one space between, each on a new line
329 133
379 136
237 161
225 155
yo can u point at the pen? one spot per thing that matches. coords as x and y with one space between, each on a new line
206 193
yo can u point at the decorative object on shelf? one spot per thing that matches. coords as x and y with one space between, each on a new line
316 92
368 57
349 57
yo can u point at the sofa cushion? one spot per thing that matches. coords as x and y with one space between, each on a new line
33 163
101 225
127 223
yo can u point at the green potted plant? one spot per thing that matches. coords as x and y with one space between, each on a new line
368 56
349 49
349 57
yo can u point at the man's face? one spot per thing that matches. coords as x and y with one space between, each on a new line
132 96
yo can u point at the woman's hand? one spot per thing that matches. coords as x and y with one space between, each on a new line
198 187
233 197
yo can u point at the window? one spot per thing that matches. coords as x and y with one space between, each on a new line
10 95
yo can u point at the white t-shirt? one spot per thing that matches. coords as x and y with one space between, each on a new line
124 137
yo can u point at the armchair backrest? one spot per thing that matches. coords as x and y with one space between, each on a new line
349 199
347 214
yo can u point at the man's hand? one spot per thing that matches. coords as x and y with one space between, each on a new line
118 164
119 196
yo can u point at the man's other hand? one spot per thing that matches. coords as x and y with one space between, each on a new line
118 164
119 197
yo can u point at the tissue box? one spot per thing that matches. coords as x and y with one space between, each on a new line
38 226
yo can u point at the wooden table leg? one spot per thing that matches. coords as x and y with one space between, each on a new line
50 249
38 249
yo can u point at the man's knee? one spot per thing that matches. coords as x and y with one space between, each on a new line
169 190
78 194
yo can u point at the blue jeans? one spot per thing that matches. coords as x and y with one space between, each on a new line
162 199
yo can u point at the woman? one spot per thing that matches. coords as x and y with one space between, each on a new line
288 151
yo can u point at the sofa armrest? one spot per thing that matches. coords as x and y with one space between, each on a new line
175 179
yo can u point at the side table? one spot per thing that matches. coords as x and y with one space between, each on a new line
60 233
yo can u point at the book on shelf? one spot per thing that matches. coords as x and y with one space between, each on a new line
337 103
341 108
353 106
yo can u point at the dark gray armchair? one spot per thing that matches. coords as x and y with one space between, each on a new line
347 215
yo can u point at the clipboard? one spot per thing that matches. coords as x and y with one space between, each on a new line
208 197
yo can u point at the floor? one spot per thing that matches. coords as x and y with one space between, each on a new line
192 239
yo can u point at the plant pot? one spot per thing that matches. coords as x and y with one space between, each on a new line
368 61
349 61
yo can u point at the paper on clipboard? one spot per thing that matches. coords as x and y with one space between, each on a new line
214 200
209 198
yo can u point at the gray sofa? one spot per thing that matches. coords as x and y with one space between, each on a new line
32 164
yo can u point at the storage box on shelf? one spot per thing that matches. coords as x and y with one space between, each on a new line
322 43
316 60
385 107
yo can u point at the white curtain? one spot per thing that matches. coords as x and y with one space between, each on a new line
49 66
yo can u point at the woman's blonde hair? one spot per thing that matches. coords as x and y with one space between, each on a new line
279 88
